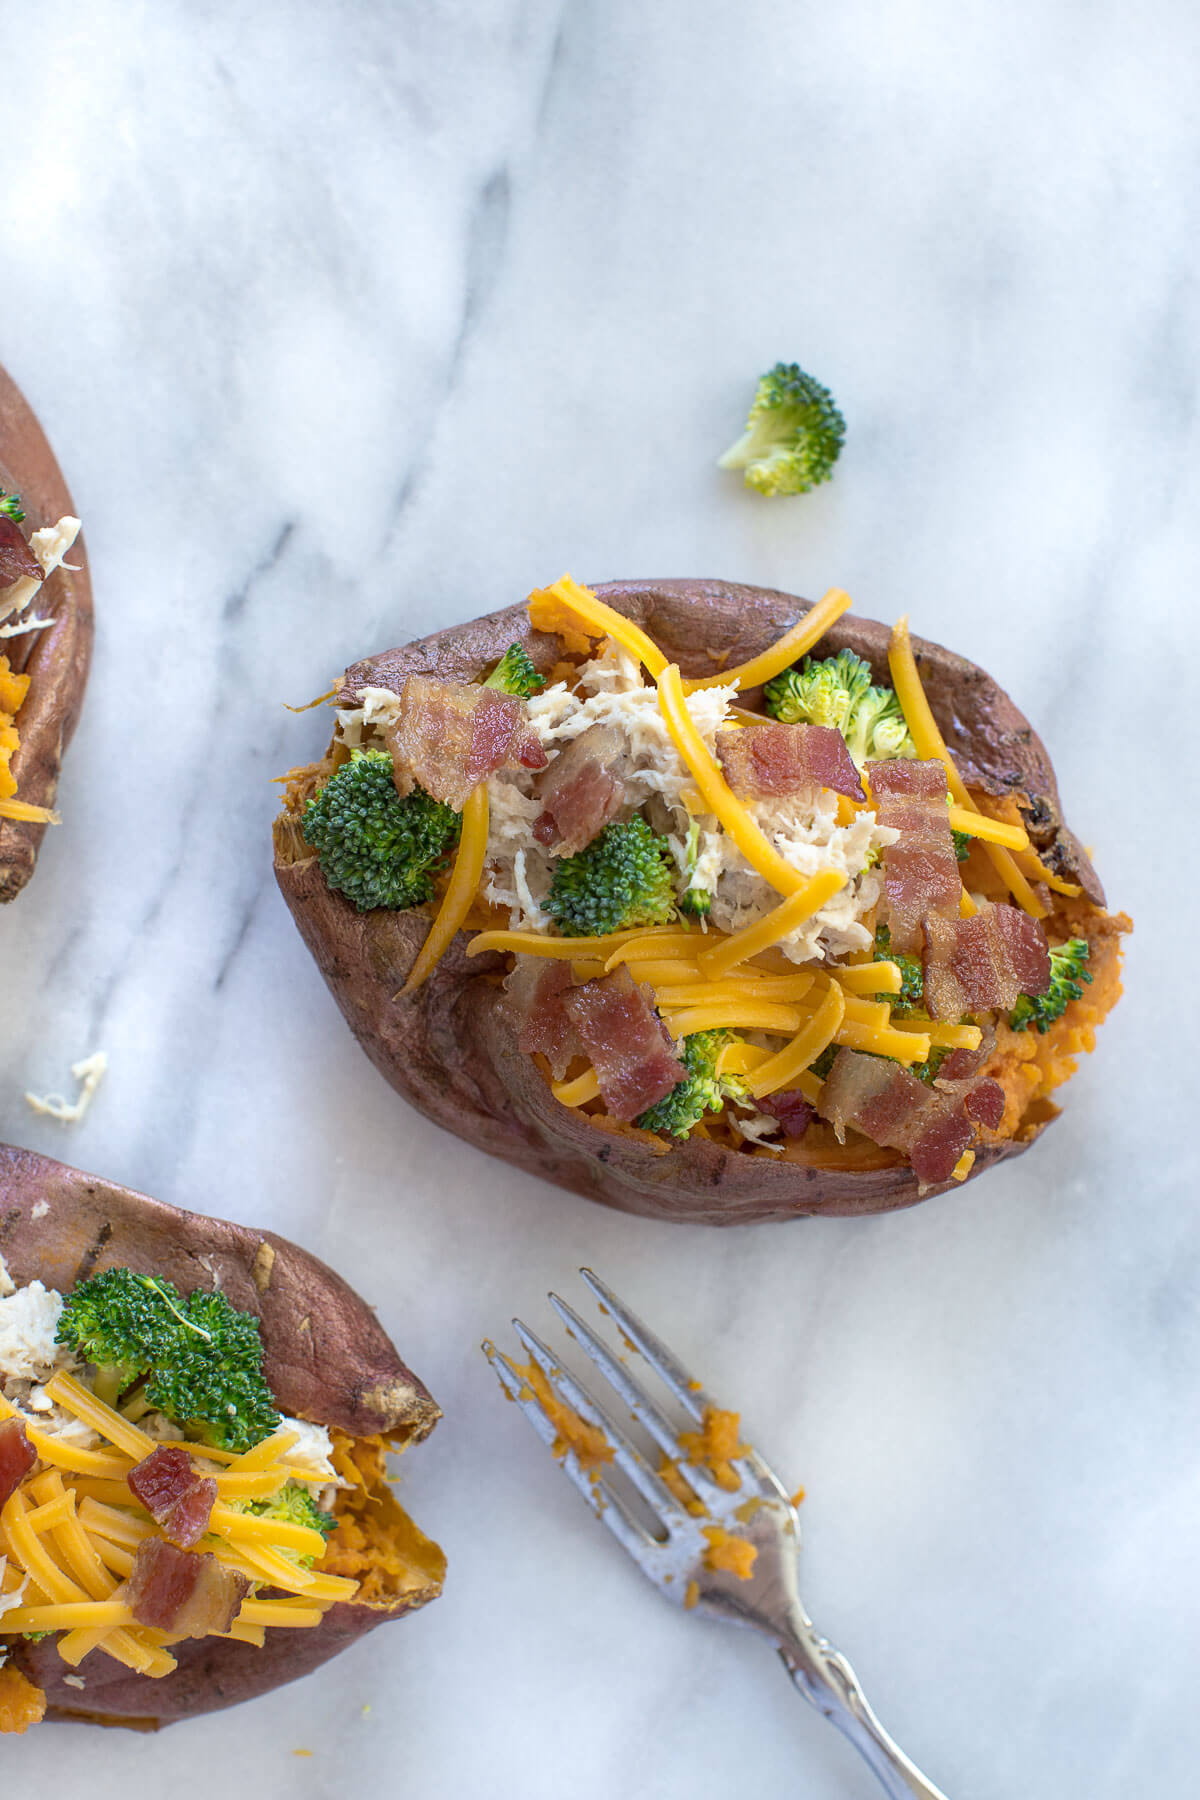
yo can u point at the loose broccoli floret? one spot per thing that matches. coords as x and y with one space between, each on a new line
201 1358
703 1090
695 900
962 844
837 690
376 848
515 674
793 436
623 878
1066 973
912 976
10 506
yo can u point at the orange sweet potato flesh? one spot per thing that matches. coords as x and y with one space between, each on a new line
450 1048
58 658
326 1357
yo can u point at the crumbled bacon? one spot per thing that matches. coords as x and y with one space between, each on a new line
535 990
626 1042
582 791
794 1112
973 965
17 1457
17 561
889 1105
763 762
452 735
179 1591
173 1494
920 870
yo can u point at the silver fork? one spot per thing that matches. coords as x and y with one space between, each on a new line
674 1554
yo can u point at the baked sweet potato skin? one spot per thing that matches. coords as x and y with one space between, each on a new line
450 1049
58 658
326 1357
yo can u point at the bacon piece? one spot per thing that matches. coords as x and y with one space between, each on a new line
17 561
794 1112
452 735
973 965
626 1042
179 1591
17 1457
173 1494
920 870
582 792
535 991
892 1107
763 762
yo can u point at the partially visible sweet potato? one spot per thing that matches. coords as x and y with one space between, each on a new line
326 1357
450 1049
56 658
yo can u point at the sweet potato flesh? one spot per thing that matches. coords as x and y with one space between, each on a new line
21 1704
376 1543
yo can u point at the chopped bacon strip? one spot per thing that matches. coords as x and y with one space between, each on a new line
17 1457
794 1112
535 991
173 1494
920 870
17 561
452 735
178 1591
892 1107
582 791
973 965
761 762
626 1042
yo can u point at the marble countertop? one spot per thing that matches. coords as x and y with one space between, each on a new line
350 321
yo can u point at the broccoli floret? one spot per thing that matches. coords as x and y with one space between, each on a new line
376 848
837 690
122 1323
515 674
200 1357
10 507
912 976
623 878
293 1503
702 1091
793 436
296 1506
962 844
1066 973
695 900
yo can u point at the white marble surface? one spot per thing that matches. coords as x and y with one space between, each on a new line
353 320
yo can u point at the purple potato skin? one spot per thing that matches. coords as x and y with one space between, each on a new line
450 1048
58 658
325 1355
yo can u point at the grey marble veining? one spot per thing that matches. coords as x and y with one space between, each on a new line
349 321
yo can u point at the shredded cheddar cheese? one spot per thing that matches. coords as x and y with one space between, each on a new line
578 616
460 890
792 645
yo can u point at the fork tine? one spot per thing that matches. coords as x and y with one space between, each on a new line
635 1398
627 1458
601 1500
690 1395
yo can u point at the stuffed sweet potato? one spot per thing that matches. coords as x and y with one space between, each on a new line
45 635
700 900
194 1421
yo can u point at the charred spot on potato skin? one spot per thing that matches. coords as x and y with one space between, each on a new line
93 1253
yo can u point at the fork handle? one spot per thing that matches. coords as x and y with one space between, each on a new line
825 1678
